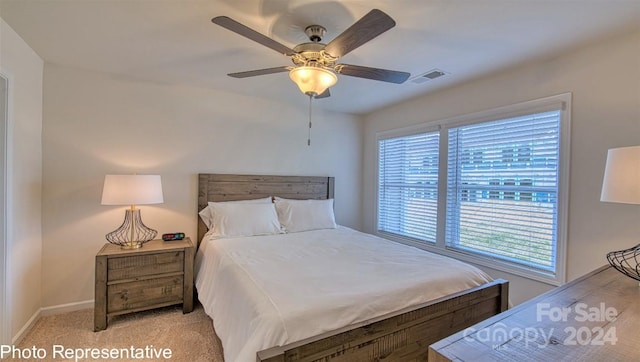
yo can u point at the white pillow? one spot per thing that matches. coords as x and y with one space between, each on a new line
304 215
243 219
207 216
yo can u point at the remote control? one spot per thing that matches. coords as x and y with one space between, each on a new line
172 236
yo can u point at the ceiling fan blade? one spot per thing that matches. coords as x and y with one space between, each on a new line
253 73
385 75
325 94
249 33
368 27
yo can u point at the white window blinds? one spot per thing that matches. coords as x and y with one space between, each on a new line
408 185
502 187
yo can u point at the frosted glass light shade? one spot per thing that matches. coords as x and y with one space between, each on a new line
132 190
313 80
622 176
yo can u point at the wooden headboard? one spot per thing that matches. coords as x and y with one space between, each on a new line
221 187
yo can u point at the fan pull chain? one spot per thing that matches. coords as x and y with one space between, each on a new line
309 134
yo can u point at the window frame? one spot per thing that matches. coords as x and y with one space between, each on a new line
561 102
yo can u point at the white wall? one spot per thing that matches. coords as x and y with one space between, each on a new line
23 68
605 81
96 124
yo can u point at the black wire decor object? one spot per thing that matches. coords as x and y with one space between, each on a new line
132 233
626 261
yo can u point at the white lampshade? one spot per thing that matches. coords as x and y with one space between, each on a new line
132 190
313 80
622 176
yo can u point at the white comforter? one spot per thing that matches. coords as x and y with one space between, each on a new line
266 291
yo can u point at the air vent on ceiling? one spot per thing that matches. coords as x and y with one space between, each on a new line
429 75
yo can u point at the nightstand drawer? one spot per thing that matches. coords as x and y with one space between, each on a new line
135 266
143 293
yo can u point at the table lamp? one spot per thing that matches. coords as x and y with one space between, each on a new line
132 190
621 184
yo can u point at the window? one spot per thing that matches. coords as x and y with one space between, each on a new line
505 199
505 225
408 185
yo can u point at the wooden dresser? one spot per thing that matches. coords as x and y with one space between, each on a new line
593 318
157 275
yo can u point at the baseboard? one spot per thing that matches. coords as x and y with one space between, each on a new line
69 307
26 328
56 309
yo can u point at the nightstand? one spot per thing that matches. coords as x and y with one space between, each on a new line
156 275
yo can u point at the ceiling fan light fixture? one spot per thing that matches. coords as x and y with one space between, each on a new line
313 80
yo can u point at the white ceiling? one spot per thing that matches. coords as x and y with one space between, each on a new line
174 41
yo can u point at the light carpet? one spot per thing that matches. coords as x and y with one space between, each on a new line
190 337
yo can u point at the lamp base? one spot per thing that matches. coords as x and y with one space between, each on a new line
132 233
626 261
131 246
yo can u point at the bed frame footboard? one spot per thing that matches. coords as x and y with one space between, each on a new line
401 336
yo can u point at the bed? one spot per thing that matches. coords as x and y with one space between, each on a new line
349 309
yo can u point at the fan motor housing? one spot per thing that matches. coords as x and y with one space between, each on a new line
312 52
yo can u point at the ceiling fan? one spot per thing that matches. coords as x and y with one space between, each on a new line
316 63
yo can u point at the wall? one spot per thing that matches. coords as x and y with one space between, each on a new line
23 68
97 124
605 81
